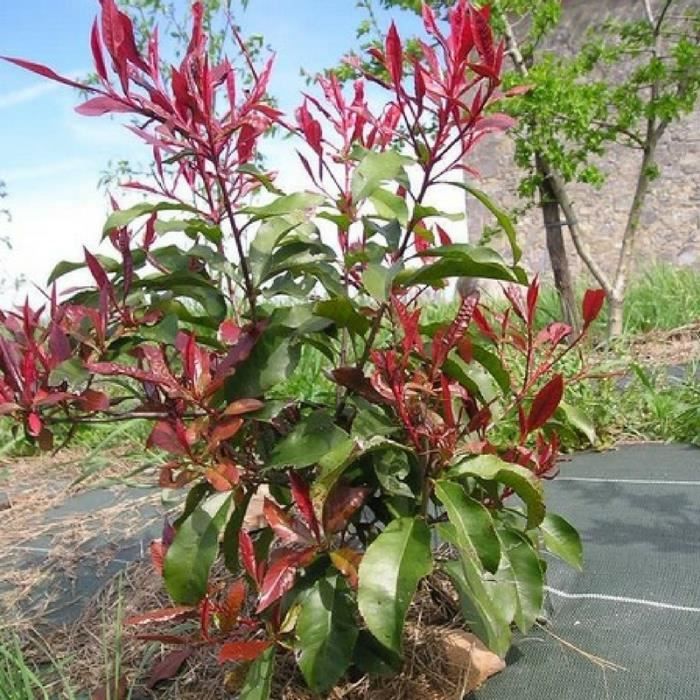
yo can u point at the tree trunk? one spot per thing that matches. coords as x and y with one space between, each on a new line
616 307
629 238
551 216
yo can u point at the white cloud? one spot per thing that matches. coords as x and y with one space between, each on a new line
49 226
26 94
38 89
33 172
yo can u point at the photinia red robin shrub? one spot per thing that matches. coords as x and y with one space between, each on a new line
220 278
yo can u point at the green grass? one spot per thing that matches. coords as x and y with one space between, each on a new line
661 298
20 679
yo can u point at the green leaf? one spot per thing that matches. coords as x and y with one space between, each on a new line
338 460
493 365
327 631
165 331
258 680
504 221
421 211
123 217
373 658
391 469
63 268
191 227
287 204
331 467
479 607
342 312
562 539
262 177
575 417
391 232
388 577
473 377
72 371
459 260
521 480
374 169
472 523
521 569
389 206
274 358
370 421
192 552
377 280
190 286
313 438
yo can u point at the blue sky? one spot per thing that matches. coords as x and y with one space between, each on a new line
51 158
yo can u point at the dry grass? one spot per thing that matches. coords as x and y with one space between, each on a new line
35 487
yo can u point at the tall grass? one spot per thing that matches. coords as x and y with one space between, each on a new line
663 297
20 679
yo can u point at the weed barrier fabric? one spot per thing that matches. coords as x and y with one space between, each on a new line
637 601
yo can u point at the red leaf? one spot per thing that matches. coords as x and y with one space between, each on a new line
92 400
484 325
443 235
229 332
280 577
97 106
168 666
165 437
545 403
410 324
34 424
515 297
225 429
157 551
518 90
247 551
243 651
218 480
180 612
285 527
593 301
302 498
429 21
240 406
341 505
96 47
354 379
533 292
347 561
45 72
96 270
394 55
231 607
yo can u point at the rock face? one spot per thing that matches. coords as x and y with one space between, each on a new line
670 225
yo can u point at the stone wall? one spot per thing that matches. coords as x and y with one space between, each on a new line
670 226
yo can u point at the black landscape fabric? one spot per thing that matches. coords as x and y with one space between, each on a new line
637 601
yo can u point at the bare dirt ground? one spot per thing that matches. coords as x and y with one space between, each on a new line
679 346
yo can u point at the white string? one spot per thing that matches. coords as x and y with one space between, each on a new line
651 482
621 599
